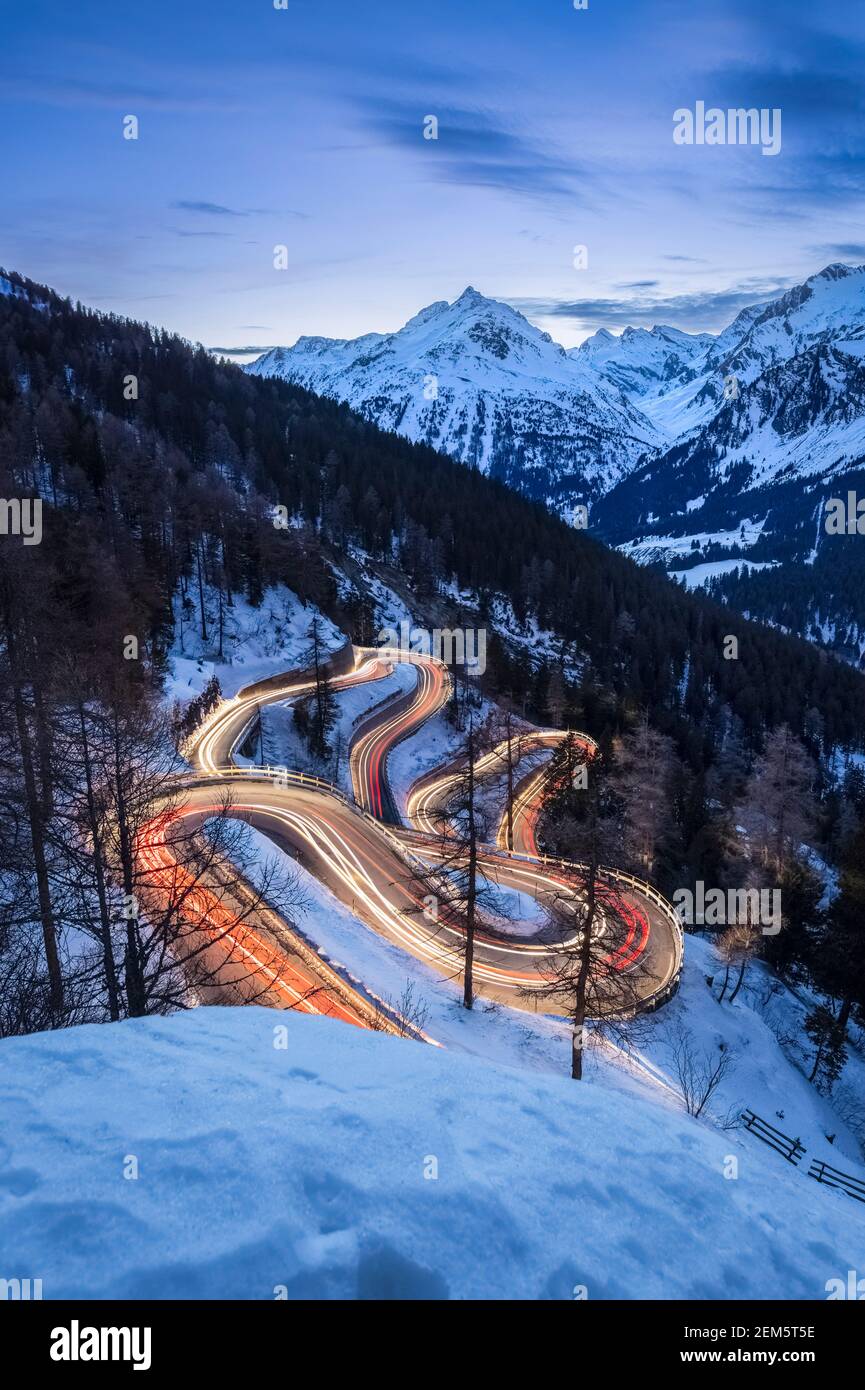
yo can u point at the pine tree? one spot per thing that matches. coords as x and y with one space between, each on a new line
828 1035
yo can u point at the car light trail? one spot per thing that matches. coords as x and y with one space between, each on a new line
367 864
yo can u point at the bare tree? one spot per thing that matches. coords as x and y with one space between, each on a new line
166 895
698 1071
587 975
461 892
26 677
643 783
739 944
778 810
507 736
405 1014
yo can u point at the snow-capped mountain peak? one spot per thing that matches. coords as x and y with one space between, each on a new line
764 425
641 361
474 378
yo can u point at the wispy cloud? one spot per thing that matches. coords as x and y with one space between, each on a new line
240 351
179 231
840 250
212 209
478 148
221 210
700 310
50 90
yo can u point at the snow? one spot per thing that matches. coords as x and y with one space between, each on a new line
647 549
521 914
701 574
257 642
307 1171
760 1028
13 291
380 969
572 425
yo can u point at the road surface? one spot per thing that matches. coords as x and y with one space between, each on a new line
362 853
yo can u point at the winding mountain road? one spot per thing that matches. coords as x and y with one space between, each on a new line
361 851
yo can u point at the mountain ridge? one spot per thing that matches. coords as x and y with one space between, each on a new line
675 441
477 380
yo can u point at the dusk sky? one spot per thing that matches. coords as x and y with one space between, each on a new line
304 127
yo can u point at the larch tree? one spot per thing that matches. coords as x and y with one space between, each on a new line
778 809
585 975
642 781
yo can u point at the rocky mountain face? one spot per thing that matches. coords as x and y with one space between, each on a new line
765 427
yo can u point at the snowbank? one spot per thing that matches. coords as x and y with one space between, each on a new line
762 1029
350 1165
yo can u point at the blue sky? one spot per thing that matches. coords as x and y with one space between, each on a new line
303 127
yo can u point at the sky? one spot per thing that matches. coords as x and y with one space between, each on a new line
303 127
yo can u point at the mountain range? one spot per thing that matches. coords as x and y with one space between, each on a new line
709 455
476 380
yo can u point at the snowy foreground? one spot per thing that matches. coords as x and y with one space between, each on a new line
348 1164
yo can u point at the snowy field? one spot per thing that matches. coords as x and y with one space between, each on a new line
768 1072
354 1165
698 575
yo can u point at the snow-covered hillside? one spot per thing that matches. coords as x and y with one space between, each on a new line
246 1154
256 642
642 361
475 379
479 381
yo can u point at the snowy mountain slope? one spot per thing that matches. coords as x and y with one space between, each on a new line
354 1165
257 641
827 310
801 421
643 362
749 473
478 381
